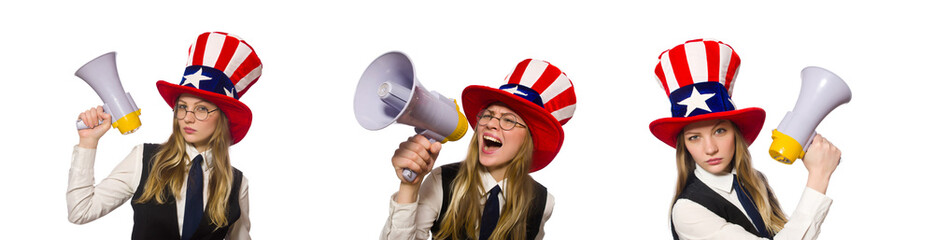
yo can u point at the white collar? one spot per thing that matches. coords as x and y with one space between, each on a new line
488 182
721 182
191 151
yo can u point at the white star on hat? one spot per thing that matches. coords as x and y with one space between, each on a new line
228 92
195 79
515 90
695 101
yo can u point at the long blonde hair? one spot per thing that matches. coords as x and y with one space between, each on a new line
752 180
463 213
169 170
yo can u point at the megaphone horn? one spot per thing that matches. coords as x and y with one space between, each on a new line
388 92
101 75
821 92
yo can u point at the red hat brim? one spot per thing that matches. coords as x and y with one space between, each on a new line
239 116
547 133
748 120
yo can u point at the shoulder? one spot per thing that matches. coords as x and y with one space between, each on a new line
146 149
684 207
148 146
686 211
139 149
691 220
450 167
437 172
244 183
238 175
549 203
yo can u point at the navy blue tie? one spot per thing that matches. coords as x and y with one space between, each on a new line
194 199
750 207
490 214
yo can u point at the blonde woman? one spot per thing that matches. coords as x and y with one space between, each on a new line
719 195
185 188
490 194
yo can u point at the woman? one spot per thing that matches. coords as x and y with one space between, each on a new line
489 195
186 187
719 195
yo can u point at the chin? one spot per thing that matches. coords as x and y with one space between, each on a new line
191 140
491 162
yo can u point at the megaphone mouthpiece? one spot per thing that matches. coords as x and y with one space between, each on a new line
394 95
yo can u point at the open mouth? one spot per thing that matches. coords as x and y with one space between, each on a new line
491 144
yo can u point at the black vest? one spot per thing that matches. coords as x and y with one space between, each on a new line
697 191
533 220
160 221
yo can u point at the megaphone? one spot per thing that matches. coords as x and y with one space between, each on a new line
101 75
821 92
388 92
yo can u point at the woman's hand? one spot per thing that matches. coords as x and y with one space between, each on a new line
821 160
88 138
417 154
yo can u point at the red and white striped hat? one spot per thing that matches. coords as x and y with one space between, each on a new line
221 68
698 78
538 92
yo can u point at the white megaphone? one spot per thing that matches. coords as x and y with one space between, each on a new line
101 74
388 92
821 92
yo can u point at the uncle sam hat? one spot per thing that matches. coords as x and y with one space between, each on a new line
698 77
221 68
538 92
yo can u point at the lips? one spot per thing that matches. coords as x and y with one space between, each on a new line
714 161
189 130
490 143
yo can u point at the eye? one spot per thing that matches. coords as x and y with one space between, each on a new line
201 109
720 131
486 116
692 138
181 106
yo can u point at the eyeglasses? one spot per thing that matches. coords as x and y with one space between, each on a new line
507 121
201 112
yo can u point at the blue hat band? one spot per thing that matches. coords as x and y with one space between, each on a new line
524 93
699 99
209 79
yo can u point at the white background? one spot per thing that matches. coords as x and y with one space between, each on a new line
316 174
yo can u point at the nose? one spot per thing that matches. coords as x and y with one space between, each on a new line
189 117
490 125
710 147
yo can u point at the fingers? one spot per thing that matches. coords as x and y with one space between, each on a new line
89 117
421 140
102 115
435 150
94 117
824 145
417 153
822 157
412 159
415 150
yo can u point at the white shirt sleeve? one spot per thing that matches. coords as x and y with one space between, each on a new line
240 230
414 220
693 221
88 202
549 206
